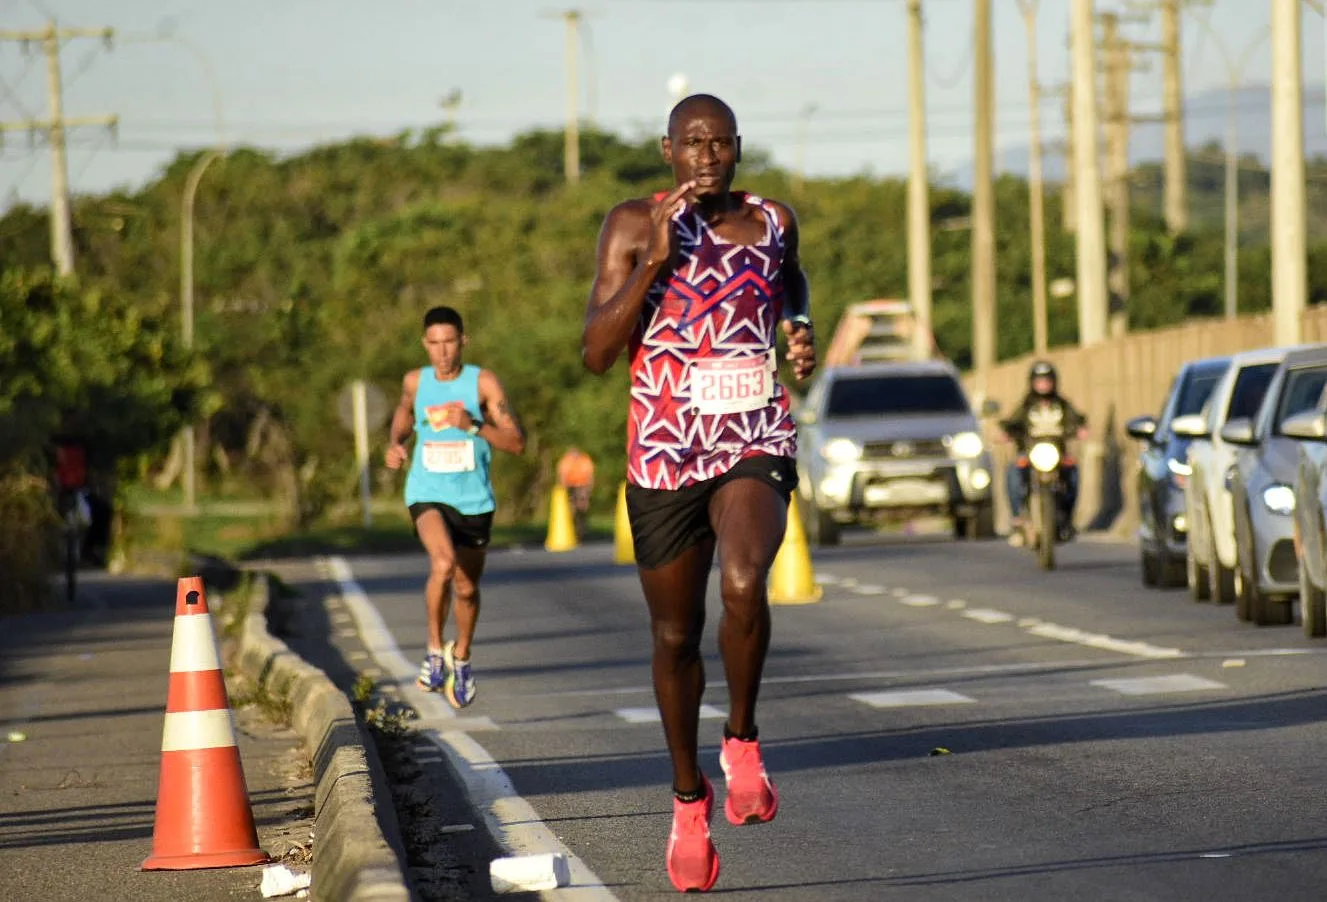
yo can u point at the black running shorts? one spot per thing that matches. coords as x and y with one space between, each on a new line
466 530
666 522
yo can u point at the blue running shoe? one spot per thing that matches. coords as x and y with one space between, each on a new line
432 673
460 684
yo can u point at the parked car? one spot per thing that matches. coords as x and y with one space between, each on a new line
886 441
1262 490
1210 552
1162 472
1310 430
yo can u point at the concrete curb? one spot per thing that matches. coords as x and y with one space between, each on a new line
358 852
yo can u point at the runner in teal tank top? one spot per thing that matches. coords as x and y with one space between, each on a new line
457 415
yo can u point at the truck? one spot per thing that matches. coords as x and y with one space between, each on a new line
886 432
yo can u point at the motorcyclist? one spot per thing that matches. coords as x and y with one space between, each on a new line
1043 414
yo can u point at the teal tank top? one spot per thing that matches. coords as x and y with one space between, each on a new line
449 465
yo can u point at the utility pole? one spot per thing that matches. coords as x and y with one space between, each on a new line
571 149
1176 204
1118 64
1091 275
51 38
919 203
1036 201
983 199
1289 264
1068 197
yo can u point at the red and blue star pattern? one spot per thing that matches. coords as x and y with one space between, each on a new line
723 301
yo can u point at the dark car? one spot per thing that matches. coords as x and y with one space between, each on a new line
1162 471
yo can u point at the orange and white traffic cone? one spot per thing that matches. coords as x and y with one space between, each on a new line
203 815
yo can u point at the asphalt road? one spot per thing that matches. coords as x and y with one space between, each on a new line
949 722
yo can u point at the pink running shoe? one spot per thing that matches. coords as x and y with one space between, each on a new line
693 862
752 798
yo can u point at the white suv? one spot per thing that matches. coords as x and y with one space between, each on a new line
1211 559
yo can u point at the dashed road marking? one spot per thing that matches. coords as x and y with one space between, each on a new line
651 715
910 698
1179 682
956 604
987 615
920 601
869 589
1102 641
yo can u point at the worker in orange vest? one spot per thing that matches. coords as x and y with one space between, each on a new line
576 475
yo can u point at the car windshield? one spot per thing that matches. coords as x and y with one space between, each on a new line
1250 387
898 394
1197 389
1301 392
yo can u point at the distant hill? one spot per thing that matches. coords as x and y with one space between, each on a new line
1204 122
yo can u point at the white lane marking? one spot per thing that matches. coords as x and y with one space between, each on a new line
378 639
848 583
919 601
956 604
511 820
1026 622
651 715
1102 641
1179 682
900 593
869 589
910 698
987 615
826 579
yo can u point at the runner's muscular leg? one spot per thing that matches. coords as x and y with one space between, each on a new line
749 518
437 543
675 593
465 596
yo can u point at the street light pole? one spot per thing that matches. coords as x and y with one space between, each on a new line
189 476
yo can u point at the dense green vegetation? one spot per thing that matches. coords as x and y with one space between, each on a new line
315 269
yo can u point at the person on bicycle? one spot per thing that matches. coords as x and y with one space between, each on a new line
1042 414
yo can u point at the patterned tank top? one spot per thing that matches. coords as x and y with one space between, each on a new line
704 392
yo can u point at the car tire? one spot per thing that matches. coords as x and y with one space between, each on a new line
977 526
1170 571
1221 579
1150 572
1312 605
1196 576
821 529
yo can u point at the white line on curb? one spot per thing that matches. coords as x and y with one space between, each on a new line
511 820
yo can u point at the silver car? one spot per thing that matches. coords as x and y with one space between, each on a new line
884 442
1310 429
1262 490
1210 555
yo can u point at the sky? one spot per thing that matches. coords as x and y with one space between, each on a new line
816 83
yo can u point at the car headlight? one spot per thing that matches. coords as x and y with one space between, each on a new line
1044 456
1280 499
841 451
966 445
1178 467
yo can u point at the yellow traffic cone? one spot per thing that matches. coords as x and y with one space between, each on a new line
561 525
791 579
624 550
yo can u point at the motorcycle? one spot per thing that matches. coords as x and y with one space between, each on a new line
1047 520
